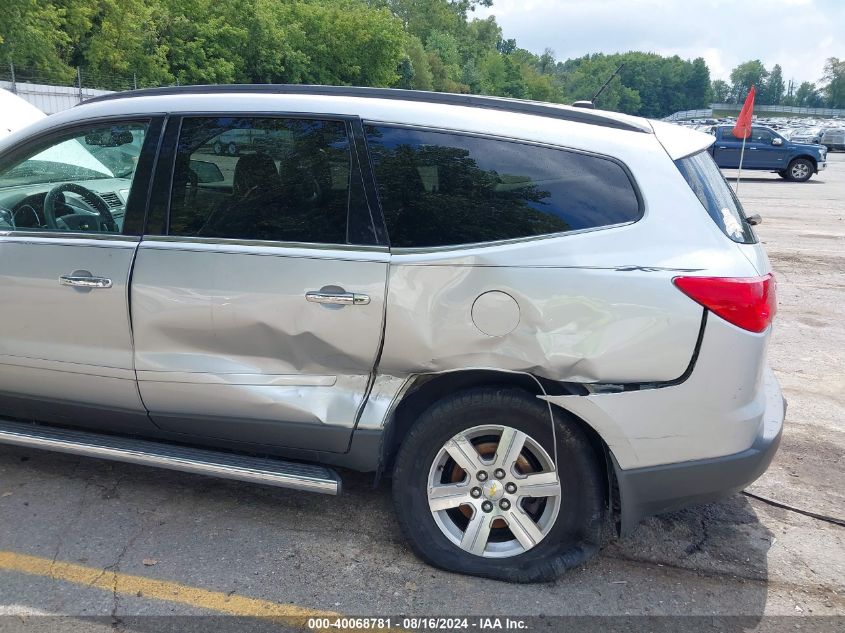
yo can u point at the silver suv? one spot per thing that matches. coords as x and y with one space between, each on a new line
528 315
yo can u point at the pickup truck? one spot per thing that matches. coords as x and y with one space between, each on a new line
767 150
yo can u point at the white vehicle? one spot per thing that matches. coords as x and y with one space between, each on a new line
528 315
17 113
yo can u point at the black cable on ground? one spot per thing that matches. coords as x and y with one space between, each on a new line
806 513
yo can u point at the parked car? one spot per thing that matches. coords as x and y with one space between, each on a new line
17 112
767 150
834 139
527 315
236 140
811 135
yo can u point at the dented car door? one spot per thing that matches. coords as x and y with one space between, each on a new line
258 308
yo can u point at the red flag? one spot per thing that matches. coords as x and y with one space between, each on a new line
742 129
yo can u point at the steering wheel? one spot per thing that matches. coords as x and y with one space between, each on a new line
92 198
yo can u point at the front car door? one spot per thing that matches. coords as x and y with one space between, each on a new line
68 198
258 301
761 153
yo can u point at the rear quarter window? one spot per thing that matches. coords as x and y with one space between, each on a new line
716 196
441 189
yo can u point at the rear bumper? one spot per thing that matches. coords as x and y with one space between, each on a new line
655 489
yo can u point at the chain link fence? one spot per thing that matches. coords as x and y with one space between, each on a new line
55 91
773 110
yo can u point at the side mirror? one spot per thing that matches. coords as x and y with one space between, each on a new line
206 171
777 141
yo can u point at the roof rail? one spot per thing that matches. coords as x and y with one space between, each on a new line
494 103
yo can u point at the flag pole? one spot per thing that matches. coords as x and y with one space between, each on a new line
743 126
739 173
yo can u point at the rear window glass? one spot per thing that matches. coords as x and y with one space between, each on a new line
704 178
440 189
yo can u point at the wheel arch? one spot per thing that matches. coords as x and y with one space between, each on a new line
426 389
808 157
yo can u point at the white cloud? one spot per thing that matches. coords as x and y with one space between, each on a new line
797 34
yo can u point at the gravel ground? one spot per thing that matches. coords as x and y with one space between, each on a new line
738 557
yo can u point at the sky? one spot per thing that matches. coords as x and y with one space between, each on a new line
797 34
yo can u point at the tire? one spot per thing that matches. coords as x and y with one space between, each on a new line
218 148
800 170
232 149
566 528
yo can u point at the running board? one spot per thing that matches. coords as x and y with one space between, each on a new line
260 470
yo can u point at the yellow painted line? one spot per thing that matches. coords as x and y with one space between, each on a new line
158 589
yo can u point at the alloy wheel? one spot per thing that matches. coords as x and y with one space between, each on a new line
800 171
493 491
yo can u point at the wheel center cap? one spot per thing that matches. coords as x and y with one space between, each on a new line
493 490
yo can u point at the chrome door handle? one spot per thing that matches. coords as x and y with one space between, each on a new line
84 281
338 298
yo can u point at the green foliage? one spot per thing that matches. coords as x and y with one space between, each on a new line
31 34
720 90
772 93
747 74
422 78
418 44
771 87
834 82
808 96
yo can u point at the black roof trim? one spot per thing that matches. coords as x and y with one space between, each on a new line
476 101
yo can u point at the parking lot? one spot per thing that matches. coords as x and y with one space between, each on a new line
82 537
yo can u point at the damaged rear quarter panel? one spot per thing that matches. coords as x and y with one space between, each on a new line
576 323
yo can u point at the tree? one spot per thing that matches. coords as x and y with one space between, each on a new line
834 82
547 61
750 73
721 91
774 88
582 78
421 17
419 44
697 90
491 69
31 36
186 49
348 43
416 55
506 47
808 96
406 73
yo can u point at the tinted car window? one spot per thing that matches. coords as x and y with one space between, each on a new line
262 179
440 189
727 134
704 178
759 135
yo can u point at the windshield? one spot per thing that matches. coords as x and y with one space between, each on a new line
704 178
110 152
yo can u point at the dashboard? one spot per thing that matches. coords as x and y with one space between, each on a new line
22 207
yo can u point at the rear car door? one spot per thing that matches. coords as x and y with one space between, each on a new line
258 292
71 204
727 148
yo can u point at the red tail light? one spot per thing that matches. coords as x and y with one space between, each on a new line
747 302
